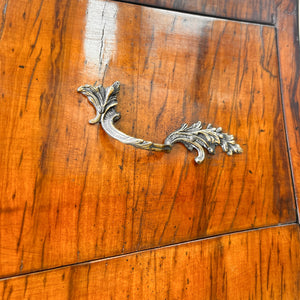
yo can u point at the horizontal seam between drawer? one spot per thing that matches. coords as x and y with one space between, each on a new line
145 250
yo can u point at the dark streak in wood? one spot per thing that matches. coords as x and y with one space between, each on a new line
3 18
80 204
36 38
31 77
38 12
22 226
43 252
21 158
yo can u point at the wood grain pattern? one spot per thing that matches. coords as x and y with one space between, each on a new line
262 264
283 14
69 193
289 54
261 11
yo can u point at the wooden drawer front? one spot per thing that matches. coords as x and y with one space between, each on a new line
261 11
70 193
260 264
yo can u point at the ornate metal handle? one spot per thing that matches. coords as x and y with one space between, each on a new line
194 137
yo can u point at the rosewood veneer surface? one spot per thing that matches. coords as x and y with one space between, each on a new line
261 264
71 194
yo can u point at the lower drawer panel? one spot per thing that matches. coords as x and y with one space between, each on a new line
262 264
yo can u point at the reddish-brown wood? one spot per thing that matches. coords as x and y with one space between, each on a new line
283 14
69 193
289 54
262 11
261 264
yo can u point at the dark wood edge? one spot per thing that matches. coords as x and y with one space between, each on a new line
289 65
201 7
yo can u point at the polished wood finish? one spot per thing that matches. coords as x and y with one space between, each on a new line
289 59
261 264
262 11
69 193
284 15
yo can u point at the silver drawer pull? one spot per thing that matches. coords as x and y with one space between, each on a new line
194 137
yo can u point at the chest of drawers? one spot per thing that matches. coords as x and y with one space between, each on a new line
105 220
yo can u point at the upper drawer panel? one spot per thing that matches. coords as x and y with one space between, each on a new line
70 193
261 11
